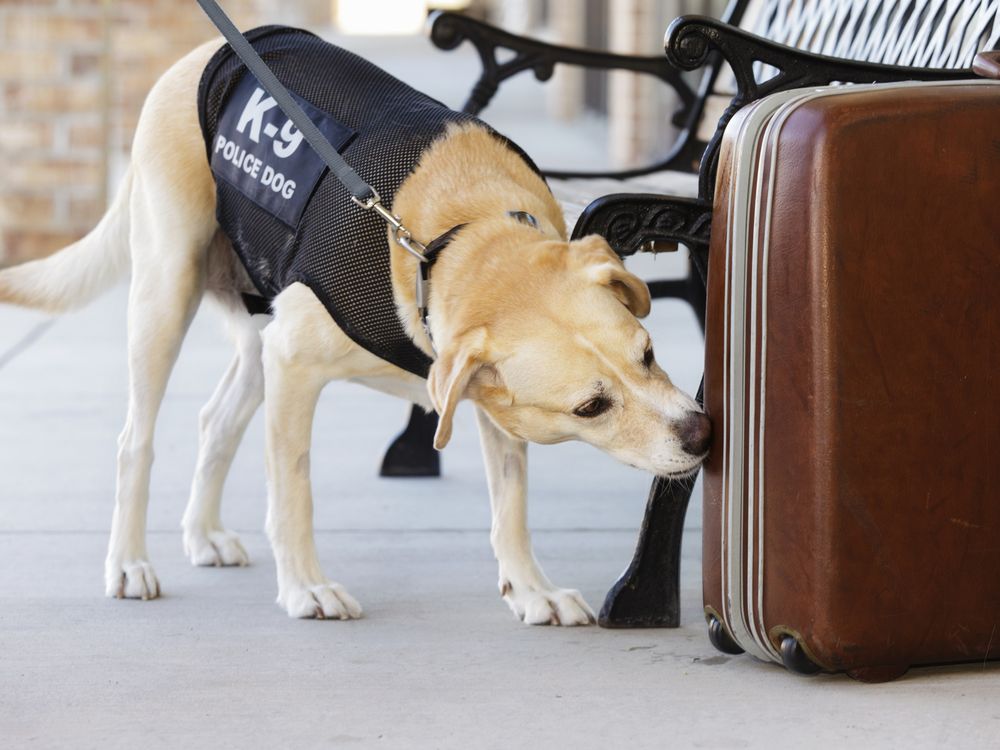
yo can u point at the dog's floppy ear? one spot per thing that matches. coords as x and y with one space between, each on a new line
627 287
604 267
449 380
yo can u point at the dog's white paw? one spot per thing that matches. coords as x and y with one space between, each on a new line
214 548
324 601
548 606
132 579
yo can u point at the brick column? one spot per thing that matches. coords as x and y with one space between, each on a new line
73 75
568 24
50 144
639 107
633 100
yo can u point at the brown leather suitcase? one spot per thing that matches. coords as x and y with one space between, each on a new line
852 497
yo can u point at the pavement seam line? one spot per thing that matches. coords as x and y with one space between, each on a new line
26 341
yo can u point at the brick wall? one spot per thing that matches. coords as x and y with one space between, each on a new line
73 76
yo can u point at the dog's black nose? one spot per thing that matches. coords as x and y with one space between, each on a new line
695 433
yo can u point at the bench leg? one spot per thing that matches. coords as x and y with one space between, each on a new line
648 593
412 453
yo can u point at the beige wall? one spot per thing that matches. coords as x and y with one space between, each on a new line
640 107
73 75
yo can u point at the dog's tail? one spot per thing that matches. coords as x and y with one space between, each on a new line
78 273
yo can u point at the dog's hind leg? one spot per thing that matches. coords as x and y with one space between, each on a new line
523 585
162 302
222 423
171 225
169 243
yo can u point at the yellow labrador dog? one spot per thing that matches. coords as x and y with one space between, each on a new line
539 332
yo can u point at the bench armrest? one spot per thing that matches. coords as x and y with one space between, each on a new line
691 40
449 30
633 222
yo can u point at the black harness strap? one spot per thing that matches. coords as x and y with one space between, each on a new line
435 246
258 305
359 189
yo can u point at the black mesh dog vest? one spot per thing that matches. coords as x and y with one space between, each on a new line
288 218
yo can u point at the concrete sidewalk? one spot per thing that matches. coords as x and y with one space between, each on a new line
438 661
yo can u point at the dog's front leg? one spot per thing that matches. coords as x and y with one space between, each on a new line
523 585
292 388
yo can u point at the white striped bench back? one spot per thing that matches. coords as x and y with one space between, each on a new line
915 33
918 33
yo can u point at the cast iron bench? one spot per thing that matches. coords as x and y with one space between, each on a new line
761 47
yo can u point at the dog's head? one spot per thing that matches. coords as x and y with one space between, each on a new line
556 353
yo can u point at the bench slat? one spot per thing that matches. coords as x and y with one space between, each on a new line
920 33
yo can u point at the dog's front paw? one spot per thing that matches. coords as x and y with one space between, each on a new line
131 579
547 606
214 548
324 601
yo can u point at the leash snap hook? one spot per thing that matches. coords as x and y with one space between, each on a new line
405 240
370 202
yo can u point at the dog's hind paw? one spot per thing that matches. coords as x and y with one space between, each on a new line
325 601
550 607
214 548
132 579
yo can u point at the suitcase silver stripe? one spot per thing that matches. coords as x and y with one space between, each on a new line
749 631
736 625
727 443
750 291
732 600
755 590
759 243
735 355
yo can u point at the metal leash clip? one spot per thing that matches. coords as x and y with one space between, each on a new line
399 232
405 240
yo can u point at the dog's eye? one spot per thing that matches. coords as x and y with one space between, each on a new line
593 408
647 358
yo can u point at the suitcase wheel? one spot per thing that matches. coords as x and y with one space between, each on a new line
793 656
720 637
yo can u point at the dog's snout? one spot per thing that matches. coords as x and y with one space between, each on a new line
695 433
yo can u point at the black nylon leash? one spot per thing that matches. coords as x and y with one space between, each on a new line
363 192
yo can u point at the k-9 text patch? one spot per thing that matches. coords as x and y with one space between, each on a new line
259 151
